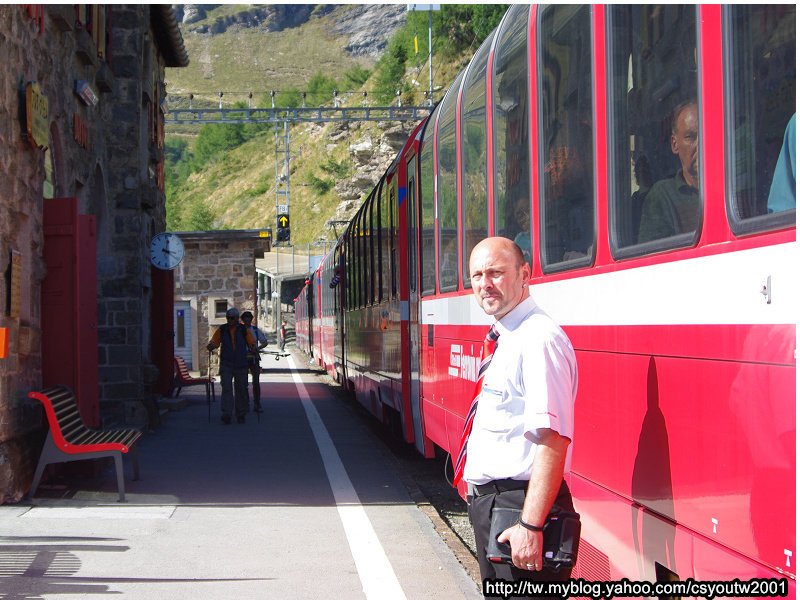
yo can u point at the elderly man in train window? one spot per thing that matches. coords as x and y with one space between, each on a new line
672 206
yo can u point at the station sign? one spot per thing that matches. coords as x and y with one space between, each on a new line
37 115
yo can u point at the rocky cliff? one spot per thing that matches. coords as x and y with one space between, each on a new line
368 26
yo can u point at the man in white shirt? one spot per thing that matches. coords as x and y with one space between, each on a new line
520 444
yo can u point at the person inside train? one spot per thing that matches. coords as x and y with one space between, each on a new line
782 191
672 205
522 216
644 180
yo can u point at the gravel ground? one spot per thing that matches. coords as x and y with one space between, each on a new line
427 486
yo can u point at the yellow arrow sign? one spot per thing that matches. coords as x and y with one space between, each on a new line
283 221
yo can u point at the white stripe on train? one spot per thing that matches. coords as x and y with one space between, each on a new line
722 289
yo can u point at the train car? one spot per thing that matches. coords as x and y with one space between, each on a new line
370 337
642 156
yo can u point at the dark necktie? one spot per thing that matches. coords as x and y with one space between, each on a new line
489 346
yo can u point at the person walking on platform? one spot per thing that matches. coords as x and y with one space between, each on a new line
235 341
254 358
282 336
516 440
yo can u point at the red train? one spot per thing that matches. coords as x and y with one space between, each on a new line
651 151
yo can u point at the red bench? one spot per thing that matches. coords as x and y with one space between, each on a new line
184 379
69 439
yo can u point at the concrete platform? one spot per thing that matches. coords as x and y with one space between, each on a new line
303 503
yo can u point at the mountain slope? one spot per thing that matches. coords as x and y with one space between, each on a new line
332 166
250 56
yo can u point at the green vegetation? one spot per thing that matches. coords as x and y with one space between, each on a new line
223 176
457 29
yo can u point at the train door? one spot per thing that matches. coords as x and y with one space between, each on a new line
413 308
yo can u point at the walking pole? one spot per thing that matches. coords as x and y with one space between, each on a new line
211 383
258 383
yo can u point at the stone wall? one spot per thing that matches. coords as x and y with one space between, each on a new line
106 155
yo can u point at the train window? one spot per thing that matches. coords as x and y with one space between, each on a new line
386 240
512 186
358 258
363 250
447 199
565 91
760 75
379 235
427 218
354 267
392 193
372 272
411 202
474 179
654 141
348 240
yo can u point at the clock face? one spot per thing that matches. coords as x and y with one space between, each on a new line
166 251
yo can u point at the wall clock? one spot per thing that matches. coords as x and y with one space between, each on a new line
166 251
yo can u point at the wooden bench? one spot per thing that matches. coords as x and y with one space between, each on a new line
69 439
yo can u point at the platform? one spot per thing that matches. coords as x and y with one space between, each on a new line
305 503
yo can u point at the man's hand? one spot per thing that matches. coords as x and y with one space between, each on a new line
526 547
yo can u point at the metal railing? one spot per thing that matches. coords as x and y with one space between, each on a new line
185 116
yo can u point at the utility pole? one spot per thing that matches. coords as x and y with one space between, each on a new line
430 56
430 8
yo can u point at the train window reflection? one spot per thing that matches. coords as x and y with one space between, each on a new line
386 242
512 187
350 281
654 141
392 224
474 179
565 88
372 271
446 198
427 218
761 147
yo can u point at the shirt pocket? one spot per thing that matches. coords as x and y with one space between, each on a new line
497 410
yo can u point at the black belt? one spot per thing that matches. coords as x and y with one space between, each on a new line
499 485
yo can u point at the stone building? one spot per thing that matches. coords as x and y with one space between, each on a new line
218 272
81 194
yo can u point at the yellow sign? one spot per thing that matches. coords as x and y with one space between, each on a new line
263 234
37 115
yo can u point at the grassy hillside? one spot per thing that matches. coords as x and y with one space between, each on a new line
236 189
244 60
239 188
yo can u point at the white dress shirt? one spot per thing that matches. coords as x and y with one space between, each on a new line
531 384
